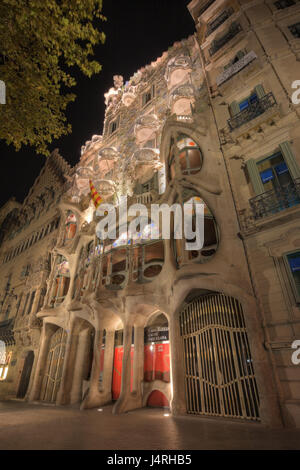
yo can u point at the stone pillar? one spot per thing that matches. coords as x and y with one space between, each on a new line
123 400
138 361
178 404
130 400
68 368
108 366
94 397
35 391
79 365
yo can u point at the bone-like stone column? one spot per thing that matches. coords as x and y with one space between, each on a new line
79 364
138 361
108 366
94 397
35 391
178 405
63 395
131 400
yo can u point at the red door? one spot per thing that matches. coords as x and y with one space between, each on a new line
117 371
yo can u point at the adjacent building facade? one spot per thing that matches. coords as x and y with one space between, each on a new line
145 322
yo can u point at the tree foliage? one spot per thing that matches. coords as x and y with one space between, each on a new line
40 40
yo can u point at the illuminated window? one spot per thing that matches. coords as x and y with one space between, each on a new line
5 358
210 243
189 158
70 227
61 282
144 254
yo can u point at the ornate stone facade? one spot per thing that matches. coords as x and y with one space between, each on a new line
145 322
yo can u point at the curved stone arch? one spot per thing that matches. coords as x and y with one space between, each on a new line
155 314
172 127
205 179
162 387
256 335
59 322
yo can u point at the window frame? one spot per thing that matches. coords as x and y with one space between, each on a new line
292 284
151 91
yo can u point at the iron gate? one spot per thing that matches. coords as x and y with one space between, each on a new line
219 374
54 366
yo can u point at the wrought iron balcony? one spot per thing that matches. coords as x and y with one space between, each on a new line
234 29
252 111
274 201
211 27
235 68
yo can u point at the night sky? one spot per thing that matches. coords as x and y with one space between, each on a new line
137 33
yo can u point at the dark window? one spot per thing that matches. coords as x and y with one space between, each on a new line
25 303
148 96
281 4
31 302
295 30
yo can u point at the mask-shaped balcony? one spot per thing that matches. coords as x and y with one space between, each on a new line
106 160
182 99
146 127
129 96
178 71
106 188
145 161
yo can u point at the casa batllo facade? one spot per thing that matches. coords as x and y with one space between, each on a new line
145 322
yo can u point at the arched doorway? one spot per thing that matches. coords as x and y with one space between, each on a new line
219 373
54 366
26 373
157 399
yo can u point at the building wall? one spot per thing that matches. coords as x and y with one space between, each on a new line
83 305
265 31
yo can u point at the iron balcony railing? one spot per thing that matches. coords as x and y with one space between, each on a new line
252 111
234 29
211 27
274 201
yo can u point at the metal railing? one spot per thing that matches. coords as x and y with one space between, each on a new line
234 29
274 201
252 111
211 27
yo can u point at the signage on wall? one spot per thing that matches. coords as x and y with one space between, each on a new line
156 334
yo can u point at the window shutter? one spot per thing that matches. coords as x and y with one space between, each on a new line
255 176
234 108
259 90
290 160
